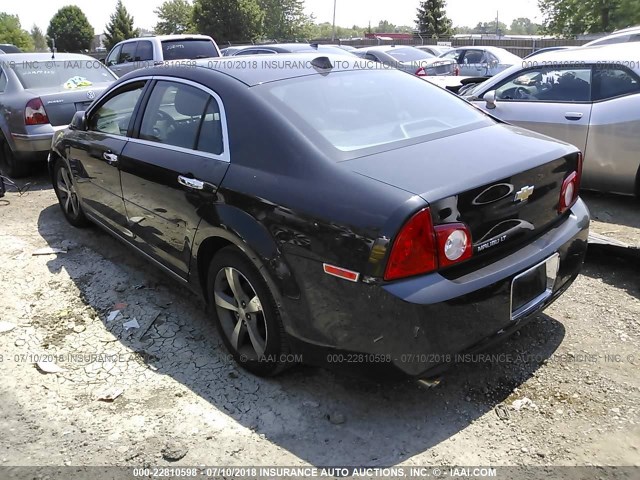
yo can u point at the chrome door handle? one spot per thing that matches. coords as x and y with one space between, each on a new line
573 115
191 182
110 157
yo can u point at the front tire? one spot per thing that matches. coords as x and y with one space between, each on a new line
246 314
67 195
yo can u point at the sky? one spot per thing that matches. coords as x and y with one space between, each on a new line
348 12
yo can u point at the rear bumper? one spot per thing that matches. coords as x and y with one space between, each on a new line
34 145
414 327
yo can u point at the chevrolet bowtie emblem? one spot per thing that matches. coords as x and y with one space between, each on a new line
523 194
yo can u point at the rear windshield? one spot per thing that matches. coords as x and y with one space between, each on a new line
360 109
67 75
188 49
408 54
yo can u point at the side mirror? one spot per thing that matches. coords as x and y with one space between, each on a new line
490 98
79 121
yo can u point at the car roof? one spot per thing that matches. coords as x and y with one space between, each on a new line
268 68
623 53
386 48
614 35
163 38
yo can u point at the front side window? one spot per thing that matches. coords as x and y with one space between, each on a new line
178 114
455 55
128 52
355 110
114 115
474 57
613 82
548 85
112 59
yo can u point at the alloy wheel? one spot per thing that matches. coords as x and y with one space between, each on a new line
67 193
240 313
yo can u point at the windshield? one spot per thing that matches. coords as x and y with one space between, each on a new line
188 49
354 110
408 54
67 74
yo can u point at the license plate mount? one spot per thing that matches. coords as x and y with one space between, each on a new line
532 287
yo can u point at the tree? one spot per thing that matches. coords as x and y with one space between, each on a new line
575 17
228 20
523 26
39 42
120 27
11 32
285 19
489 28
175 16
70 29
432 19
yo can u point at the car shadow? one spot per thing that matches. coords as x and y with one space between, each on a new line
37 181
613 209
321 417
613 266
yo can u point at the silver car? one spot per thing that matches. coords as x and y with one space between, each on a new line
408 59
631 34
589 97
481 61
38 96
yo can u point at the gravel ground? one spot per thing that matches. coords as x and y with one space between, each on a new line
563 391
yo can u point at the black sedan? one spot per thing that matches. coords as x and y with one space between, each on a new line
346 215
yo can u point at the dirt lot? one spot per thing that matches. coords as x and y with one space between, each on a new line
564 391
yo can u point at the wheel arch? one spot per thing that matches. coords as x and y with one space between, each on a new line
241 230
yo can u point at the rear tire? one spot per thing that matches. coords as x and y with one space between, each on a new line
246 314
10 165
67 195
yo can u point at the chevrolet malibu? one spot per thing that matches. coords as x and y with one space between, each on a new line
329 212
38 96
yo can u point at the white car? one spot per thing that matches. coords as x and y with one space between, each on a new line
631 34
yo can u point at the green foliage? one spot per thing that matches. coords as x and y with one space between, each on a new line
285 19
432 19
39 41
120 27
325 30
175 16
228 20
11 32
524 26
489 28
575 17
70 29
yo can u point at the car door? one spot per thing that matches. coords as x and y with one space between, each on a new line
474 63
550 100
611 159
173 169
94 153
126 59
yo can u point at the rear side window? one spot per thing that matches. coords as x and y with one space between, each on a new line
144 51
182 116
613 82
355 110
188 49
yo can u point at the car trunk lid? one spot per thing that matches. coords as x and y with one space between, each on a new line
506 191
61 105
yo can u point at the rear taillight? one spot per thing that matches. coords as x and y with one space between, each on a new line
34 113
456 70
421 72
454 243
420 248
570 188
